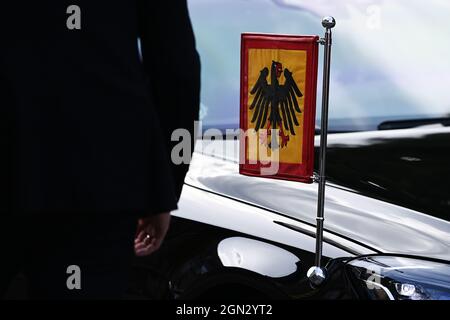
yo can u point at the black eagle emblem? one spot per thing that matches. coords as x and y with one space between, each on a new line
276 104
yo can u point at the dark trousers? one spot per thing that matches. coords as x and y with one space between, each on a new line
43 248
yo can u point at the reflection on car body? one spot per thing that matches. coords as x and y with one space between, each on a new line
237 235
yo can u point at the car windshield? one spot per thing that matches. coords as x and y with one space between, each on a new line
390 57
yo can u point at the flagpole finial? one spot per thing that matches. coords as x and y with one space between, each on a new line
328 22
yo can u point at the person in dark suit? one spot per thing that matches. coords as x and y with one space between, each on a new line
85 124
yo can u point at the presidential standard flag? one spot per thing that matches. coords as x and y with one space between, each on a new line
278 103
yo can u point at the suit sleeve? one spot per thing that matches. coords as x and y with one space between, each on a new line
172 63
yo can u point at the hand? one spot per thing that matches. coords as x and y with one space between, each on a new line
150 233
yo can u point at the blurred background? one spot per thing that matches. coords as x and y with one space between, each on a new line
390 58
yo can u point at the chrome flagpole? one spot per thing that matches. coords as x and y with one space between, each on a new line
317 273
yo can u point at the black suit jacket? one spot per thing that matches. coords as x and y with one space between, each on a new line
85 122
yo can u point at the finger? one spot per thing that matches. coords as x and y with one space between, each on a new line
140 226
145 249
139 246
140 237
142 252
142 244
